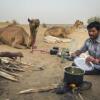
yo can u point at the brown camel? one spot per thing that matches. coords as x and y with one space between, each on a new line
78 24
58 31
16 36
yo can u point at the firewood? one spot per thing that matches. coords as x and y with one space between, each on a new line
14 74
8 76
41 89
16 69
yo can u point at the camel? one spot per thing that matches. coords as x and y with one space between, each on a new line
16 36
78 24
59 31
56 31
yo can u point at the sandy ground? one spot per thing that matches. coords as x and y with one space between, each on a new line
52 74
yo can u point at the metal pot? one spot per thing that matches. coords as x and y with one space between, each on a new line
56 48
73 75
54 51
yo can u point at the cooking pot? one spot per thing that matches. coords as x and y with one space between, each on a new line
54 51
56 48
73 75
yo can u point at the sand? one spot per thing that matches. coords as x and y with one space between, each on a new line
52 73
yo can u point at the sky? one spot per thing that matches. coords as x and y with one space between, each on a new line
49 11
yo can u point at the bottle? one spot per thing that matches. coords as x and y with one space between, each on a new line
63 54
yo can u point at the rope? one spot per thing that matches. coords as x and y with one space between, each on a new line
42 51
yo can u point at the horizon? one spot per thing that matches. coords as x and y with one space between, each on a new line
49 11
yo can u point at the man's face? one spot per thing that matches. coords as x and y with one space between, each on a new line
93 33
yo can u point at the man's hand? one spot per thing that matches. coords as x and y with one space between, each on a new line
92 59
96 61
73 55
76 53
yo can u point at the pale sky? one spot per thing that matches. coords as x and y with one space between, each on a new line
49 11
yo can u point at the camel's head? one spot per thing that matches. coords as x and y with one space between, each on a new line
34 23
78 24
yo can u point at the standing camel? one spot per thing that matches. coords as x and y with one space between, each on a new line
16 36
33 24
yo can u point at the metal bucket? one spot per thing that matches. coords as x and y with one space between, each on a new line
73 75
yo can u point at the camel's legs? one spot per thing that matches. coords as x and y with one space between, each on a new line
17 45
33 44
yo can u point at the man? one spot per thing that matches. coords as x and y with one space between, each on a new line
92 45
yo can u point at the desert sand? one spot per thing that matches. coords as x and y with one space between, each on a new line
52 73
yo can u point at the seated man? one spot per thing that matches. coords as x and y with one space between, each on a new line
92 45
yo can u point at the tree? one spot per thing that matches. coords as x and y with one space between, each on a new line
92 19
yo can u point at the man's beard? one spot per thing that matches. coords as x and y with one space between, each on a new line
93 37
